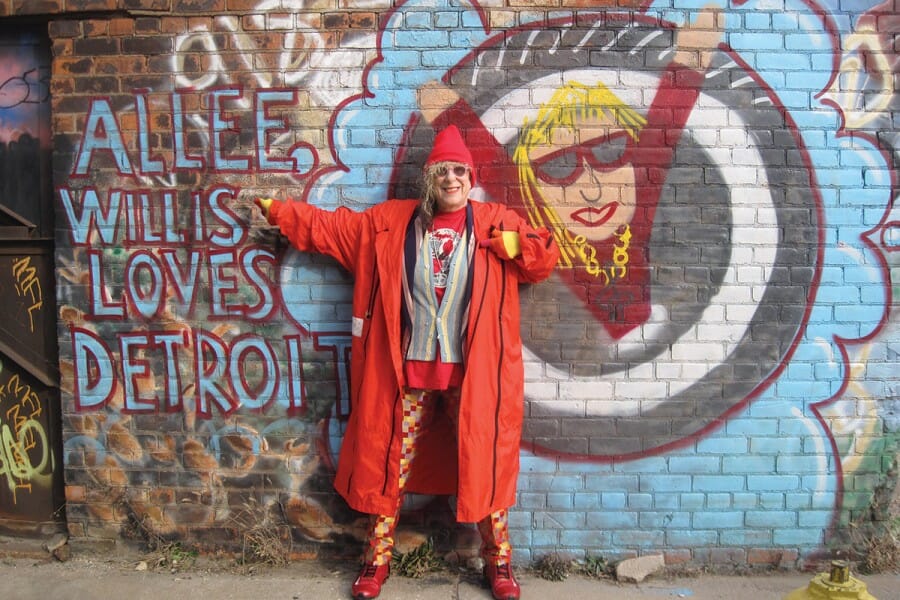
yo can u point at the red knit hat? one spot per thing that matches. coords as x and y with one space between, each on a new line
449 146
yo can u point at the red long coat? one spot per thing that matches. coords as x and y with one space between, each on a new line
483 470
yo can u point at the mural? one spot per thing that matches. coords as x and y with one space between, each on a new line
710 368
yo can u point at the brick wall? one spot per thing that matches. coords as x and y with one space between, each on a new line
711 370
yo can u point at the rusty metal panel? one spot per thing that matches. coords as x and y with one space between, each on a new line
29 453
28 326
31 492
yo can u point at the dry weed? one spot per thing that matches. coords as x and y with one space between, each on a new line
160 552
882 549
554 567
263 540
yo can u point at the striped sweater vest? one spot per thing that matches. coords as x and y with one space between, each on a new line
430 325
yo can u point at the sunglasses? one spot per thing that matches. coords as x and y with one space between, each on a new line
605 153
458 170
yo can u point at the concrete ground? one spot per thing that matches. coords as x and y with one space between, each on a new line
128 577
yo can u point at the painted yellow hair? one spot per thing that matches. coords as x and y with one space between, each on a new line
570 105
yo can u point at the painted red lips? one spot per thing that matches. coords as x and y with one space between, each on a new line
595 217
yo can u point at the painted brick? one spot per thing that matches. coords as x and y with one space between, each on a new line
446 20
695 464
691 538
553 483
613 500
718 519
771 409
659 520
645 465
669 483
813 518
758 20
715 483
802 537
774 445
753 427
723 445
531 500
545 538
584 501
537 464
520 519
761 458
585 538
719 501
559 519
771 500
612 520
664 501
771 518
766 483
798 464
625 483
520 538
748 464
642 539
560 501
693 501
789 61
796 501
640 501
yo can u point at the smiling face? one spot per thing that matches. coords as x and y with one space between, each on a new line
585 174
452 183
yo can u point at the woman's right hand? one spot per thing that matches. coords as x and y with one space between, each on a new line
264 204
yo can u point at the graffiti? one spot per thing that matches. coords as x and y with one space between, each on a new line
103 133
24 449
218 373
28 286
864 85
688 325
23 89
711 337
24 94
304 61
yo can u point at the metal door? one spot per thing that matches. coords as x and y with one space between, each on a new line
31 487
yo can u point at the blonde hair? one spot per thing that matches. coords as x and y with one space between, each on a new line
569 105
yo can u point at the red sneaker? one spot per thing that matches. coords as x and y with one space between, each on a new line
368 584
503 584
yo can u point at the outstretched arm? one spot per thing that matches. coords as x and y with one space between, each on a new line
312 229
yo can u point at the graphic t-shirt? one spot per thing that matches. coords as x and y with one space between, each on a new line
445 234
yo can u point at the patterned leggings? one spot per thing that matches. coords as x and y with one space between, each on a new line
494 528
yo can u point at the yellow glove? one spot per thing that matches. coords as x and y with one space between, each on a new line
504 244
264 204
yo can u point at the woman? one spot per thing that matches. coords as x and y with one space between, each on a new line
437 381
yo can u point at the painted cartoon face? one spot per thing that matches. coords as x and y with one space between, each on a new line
586 175
453 184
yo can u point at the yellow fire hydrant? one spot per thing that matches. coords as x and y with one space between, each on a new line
837 584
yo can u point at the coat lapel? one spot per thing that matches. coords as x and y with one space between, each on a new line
390 232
